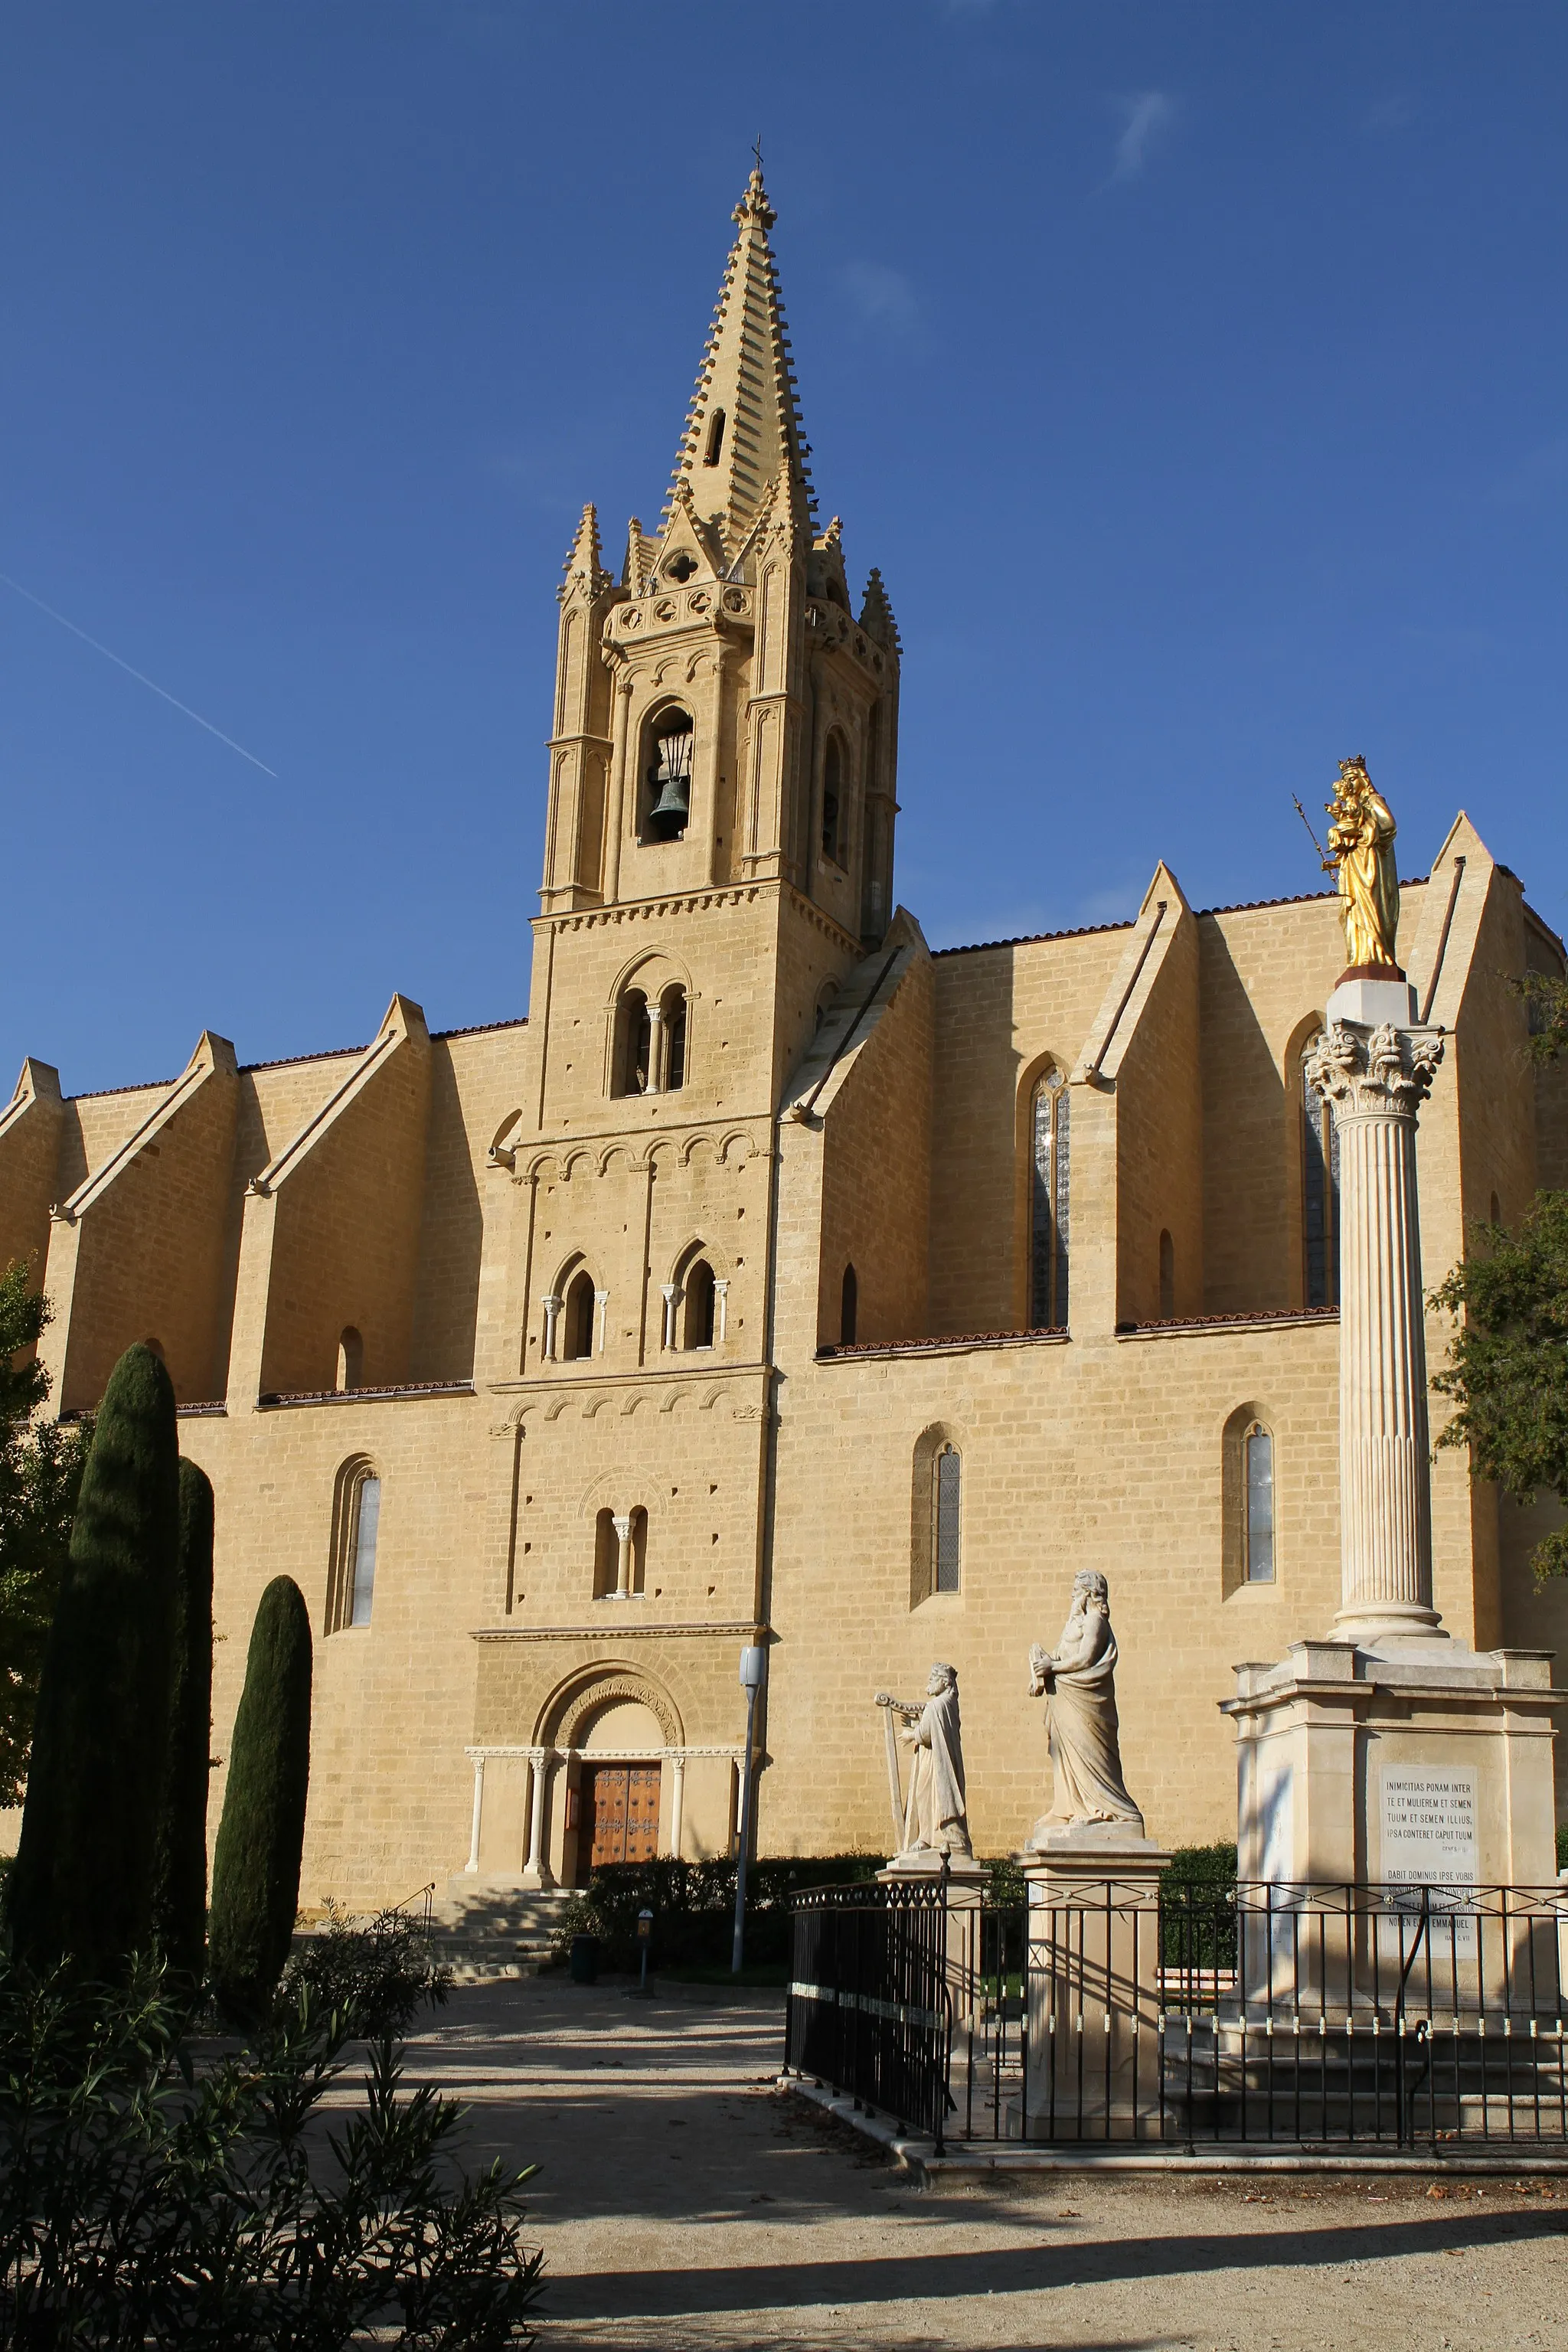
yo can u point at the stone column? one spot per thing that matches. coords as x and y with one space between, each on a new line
1375 1079
656 1048
552 1306
721 1311
670 1292
677 1802
623 1527
601 1300
477 1756
536 1870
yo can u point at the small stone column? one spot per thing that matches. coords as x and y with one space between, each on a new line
536 1870
670 1292
477 1756
552 1306
623 1527
1374 1078
601 1300
656 1050
677 1802
721 1309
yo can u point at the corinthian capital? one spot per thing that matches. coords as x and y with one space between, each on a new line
1367 1072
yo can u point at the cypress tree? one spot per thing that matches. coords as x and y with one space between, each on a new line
81 1886
255 1862
180 1877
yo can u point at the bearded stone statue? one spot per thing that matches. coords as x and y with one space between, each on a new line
1078 1682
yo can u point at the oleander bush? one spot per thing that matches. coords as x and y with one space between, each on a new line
375 1974
156 2191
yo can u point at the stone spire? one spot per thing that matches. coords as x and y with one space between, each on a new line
743 431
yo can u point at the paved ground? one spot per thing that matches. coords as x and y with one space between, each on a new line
685 2203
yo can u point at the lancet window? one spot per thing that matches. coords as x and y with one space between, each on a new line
578 1308
351 1358
947 1493
1319 1199
833 809
848 1307
1049 1194
1257 1504
668 777
355 1526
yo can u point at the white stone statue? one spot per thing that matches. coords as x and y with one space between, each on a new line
935 1821
1078 1682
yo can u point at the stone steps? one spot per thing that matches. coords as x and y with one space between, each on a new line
484 1928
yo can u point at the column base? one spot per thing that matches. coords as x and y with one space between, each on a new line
1370 1623
537 1882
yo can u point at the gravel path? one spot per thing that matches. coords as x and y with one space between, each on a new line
684 2203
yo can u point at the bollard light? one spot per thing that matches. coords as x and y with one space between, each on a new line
644 1938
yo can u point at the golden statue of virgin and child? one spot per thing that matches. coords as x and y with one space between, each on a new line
1360 853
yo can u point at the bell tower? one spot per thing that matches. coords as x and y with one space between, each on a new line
720 718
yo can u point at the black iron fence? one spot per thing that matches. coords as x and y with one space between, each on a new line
1316 2016
870 2006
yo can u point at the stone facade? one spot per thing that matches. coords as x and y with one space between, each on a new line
574 1290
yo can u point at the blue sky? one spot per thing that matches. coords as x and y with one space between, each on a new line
1195 373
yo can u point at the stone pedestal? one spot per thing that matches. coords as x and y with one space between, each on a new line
965 1894
1093 1978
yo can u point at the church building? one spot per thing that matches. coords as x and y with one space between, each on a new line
776 1281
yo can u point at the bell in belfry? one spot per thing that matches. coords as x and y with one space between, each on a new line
670 779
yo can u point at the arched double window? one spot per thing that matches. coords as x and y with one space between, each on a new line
937 1548
620 1553
1319 1197
667 776
1049 1197
649 1051
356 1521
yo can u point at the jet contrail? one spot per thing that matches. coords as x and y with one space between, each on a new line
140 675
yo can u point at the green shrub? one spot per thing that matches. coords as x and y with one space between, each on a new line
693 1906
156 2196
180 1874
255 1862
82 1886
375 1975
1197 1898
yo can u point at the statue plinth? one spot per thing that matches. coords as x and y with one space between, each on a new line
1370 998
1093 1980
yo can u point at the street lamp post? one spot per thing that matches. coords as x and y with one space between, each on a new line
754 1672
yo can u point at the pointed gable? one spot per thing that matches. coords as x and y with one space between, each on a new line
743 429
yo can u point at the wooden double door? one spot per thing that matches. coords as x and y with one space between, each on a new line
617 1815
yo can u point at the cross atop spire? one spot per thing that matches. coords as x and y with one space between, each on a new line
744 428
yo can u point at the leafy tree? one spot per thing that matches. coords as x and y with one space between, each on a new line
255 1862
81 1886
1508 1363
1546 997
179 1878
40 1473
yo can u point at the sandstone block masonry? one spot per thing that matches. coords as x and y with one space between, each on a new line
776 1280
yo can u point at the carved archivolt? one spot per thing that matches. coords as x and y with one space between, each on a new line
567 1712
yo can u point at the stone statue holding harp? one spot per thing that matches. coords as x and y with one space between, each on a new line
932 1821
